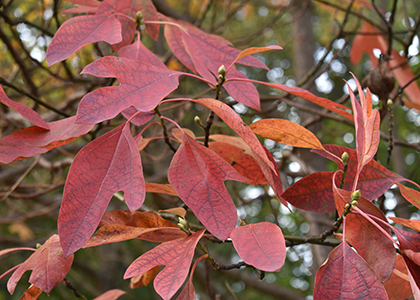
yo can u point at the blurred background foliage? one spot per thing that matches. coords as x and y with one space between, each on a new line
28 215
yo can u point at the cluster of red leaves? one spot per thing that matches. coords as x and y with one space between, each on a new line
112 163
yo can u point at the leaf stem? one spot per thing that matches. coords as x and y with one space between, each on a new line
165 131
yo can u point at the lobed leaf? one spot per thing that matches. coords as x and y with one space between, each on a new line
49 266
80 31
261 245
197 174
108 164
176 255
345 275
141 85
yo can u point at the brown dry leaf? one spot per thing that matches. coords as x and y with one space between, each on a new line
144 279
24 233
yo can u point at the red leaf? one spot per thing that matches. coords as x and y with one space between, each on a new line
138 51
313 193
286 132
176 255
234 121
202 52
48 264
80 31
188 293
23 110
410 195
142 86
261 245
31 293
345 275
398 285
108 164
140 119
377 250
243 92
410 247
367 123
299 92
415 224
148 219
30 141
242 162
197 174
149 14
111 295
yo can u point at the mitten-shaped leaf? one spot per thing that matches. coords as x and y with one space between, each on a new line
197 174
261 245
49 266
345 275
24 110
176 255
108 164
142 86
80 31
30 141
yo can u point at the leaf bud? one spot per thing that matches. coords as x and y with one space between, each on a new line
353 203
347 206
181 226
345 157
38 245
356 195
222 71
139 19
197 120
389 102
182 222
242 223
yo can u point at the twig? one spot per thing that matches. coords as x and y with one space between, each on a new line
70 286
165 131
37 158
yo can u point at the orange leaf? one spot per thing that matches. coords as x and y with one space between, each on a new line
160 188
286 132
144 279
